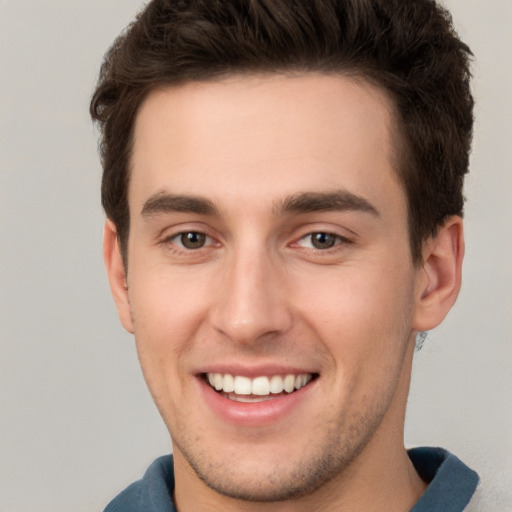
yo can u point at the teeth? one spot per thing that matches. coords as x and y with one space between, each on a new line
276 384
218 381
260 386
229 383
289 383
242 385
248 399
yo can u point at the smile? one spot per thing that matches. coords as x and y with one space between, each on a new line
244 389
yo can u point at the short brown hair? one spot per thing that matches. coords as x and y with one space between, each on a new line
409 48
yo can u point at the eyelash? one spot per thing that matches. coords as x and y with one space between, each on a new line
175 241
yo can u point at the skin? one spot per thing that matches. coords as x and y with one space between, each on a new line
259 294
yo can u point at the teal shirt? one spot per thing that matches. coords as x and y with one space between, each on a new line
451 485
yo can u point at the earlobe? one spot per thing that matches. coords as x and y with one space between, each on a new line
116 274
439 278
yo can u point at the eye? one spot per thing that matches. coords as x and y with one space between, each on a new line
320 240
191 240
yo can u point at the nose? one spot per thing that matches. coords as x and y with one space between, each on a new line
251 303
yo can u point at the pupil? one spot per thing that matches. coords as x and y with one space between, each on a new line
323 240
193 240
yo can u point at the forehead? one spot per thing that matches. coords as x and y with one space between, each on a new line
263 136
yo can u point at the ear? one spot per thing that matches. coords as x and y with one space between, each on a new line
439 277
117 274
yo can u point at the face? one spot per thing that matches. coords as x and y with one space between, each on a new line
270 283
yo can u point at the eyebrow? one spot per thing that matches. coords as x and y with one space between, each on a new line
167 203
339 200
302 202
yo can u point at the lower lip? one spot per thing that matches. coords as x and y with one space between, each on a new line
255 414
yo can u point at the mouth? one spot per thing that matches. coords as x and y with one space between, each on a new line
259 389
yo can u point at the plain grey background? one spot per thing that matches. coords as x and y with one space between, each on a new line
77 423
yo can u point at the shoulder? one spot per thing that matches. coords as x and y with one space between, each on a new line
152 492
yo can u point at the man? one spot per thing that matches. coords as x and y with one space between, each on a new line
283 189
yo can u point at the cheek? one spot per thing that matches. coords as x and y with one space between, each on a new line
362 316
167 314
367 344
167 304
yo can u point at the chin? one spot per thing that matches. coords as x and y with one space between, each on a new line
271 485
267 475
